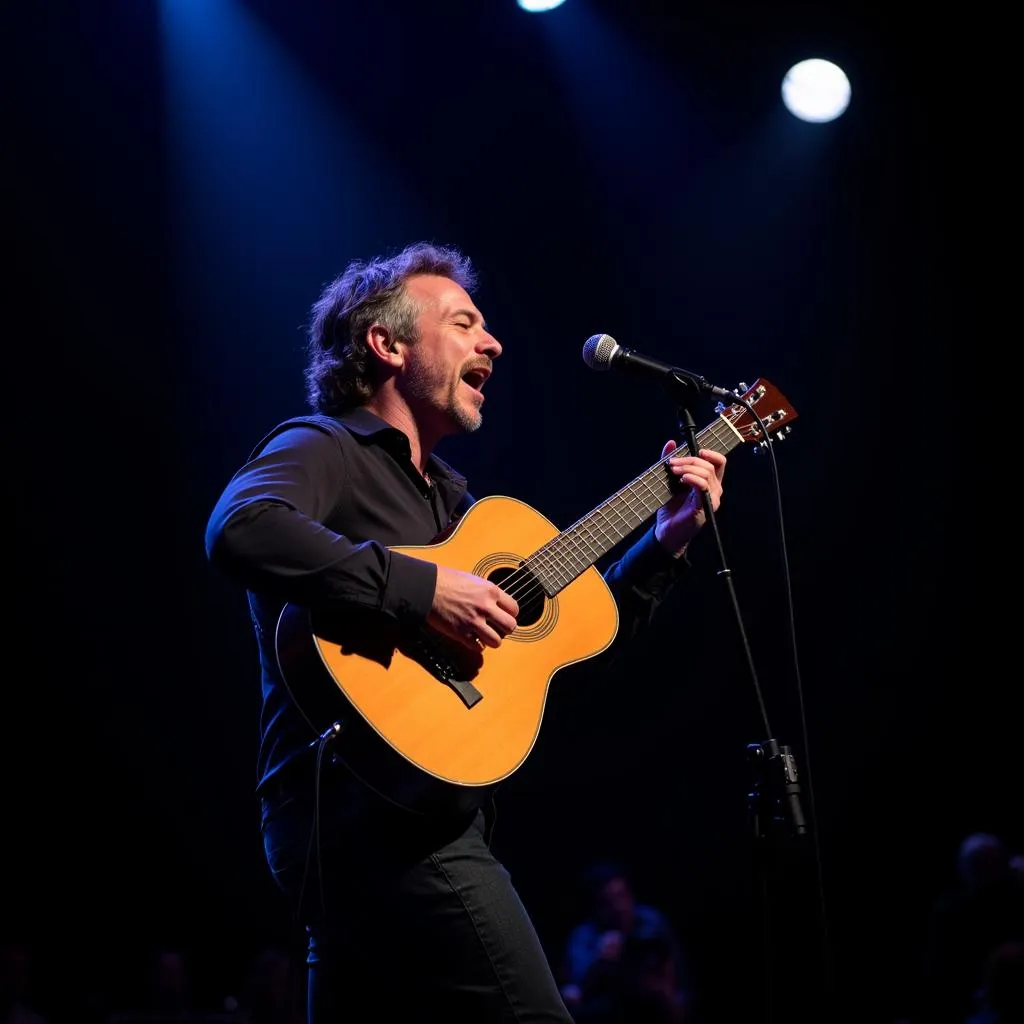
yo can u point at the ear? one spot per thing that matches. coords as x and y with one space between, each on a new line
384 347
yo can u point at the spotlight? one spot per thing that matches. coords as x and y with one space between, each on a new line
816 90
536 6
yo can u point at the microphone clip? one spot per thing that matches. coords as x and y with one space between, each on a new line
698 385
327 735
774 799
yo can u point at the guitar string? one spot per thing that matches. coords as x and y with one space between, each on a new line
580 532
552 561
527 576
550 557
570 536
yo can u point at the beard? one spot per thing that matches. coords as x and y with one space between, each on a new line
467 420
435 379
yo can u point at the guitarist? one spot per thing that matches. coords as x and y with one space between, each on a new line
409 917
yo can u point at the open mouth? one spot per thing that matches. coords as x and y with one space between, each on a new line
476 378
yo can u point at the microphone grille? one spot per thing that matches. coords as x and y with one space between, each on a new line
598 351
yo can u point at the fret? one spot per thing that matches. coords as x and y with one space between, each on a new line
572 552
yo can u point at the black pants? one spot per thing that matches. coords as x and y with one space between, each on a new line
408 920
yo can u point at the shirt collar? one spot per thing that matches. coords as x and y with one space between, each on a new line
362 421
370 426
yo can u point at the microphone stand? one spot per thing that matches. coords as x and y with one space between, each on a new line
777 820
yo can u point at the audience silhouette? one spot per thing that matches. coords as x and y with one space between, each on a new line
622 960
968 924
1001 998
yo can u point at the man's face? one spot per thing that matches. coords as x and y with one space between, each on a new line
447 367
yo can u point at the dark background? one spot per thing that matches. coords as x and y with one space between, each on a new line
182 178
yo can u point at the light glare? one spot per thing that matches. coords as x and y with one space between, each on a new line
816 90
536 6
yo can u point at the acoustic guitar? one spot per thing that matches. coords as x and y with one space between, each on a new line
435 727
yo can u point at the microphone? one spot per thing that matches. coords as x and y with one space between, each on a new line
603 352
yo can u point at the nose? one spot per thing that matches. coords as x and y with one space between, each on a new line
489 345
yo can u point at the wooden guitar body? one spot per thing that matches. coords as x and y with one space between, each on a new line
432 743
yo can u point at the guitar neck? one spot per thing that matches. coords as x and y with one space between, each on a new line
572 552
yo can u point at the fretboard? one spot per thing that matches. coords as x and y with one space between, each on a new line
573 551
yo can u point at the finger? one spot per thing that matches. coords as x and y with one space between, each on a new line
695 470
717 459
501 623
507 603
487 636
697 492
712 487
471 639
711 459
687 460
701 483
669 447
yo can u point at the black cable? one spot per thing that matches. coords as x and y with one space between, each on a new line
314 832
769 445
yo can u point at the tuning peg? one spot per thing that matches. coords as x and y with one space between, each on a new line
741 388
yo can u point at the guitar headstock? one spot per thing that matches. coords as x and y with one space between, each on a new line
770 404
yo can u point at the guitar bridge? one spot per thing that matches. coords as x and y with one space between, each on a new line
442 660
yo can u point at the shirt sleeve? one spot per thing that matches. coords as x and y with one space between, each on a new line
267 533
640 580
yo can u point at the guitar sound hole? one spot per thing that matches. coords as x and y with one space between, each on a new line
525 588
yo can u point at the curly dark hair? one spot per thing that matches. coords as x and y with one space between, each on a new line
339 375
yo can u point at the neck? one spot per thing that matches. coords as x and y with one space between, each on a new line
396 413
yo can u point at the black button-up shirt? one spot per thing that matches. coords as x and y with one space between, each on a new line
310 520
